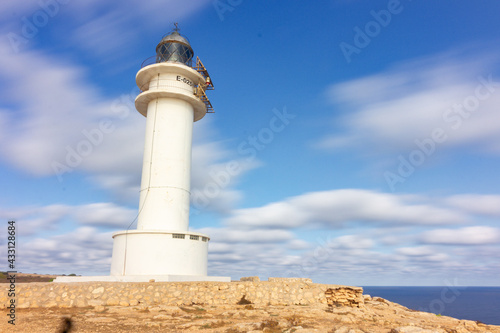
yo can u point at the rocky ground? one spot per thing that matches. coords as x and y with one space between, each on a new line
378 315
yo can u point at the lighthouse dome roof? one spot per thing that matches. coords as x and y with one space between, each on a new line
174 48
174 36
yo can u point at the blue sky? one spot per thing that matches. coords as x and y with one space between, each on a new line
354 142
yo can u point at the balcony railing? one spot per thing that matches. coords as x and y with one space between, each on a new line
197 89
153 60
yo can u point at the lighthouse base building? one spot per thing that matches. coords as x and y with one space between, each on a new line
162 248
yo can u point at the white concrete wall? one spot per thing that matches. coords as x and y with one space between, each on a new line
165 184
157 253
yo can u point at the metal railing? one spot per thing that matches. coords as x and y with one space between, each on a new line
198 89
153 60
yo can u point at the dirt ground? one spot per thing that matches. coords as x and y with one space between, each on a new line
378 316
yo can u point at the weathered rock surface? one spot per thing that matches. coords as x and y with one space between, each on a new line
372 318
169 307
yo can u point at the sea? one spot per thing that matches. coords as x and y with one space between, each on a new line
471 303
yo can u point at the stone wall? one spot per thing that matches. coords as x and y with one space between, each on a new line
343 296
277 292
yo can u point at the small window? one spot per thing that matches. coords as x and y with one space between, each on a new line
180 236
193 237
205 239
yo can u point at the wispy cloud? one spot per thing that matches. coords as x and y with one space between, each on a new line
35 219
488 205
339 207
388 111
478 235
84 249
261 246
59 125
100 29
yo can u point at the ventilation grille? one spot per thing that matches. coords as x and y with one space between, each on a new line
180 236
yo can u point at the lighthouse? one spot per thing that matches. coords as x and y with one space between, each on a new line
173 96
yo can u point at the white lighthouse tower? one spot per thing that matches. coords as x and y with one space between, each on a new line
172 98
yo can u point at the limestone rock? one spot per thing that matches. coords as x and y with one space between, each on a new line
414 329
101 319
99 290
343 329
306 330
99 308
282 279
250 279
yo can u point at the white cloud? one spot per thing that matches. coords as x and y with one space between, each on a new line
105 31
32 220
388 111
54 106
35 219
338 207
229 235
100 28
357 256
273 215
475 203
61 126
479 235
102 36
215 171
7 8
298 244
104 214
416 251
353 242
82 250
